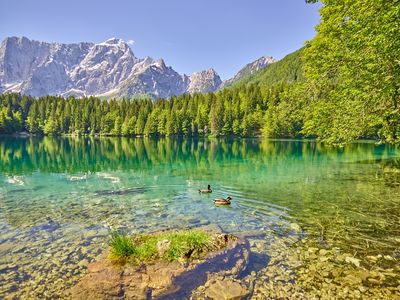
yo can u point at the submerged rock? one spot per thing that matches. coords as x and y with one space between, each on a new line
226 289
295 227
353 260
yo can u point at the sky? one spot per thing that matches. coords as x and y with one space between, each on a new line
189 35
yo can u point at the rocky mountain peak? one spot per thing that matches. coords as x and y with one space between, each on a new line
250 69
108 68
260 63
160 64
114 41
204 81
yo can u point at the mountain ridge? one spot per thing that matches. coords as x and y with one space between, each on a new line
250 69
108 69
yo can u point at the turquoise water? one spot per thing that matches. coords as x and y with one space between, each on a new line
60 197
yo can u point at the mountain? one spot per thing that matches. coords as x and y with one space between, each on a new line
151 78
204 81
249 70
287 70
105 69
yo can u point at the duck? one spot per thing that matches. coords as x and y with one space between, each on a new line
223 201
208 190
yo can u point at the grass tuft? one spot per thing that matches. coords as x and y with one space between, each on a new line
143 248
122 247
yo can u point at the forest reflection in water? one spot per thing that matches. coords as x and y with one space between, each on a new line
346 198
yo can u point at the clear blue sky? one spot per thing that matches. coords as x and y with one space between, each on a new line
190 35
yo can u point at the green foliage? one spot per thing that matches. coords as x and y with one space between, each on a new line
287 71
143 248
343 85
236 111
353 72
50 127
122 247
283 118
184 243
12 110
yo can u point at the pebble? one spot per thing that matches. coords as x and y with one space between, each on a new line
353 260
316 273
295 227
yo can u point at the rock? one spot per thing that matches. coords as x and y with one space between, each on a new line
162 247
323 258
373 259
103 284
162 274
352 280
83 263
204 81
226 289
388 257
211 228
323 252
295 227
353 260
166 280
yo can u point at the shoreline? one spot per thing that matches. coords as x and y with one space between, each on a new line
186 137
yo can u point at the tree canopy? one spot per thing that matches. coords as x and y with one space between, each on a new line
342 86
353 71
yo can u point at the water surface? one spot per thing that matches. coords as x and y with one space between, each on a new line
60 197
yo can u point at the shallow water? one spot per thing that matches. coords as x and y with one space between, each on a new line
60 197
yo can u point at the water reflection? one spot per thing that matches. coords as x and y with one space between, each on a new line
70 191
78 154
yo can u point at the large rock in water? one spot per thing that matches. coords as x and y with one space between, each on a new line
107 281
163 280
226 289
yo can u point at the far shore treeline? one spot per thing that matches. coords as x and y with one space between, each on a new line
342 86
230 112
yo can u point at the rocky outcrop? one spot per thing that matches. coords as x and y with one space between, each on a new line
204 82
155 79
249 70
225 289
165 280
107 281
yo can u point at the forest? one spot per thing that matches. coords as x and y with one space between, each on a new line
238 111
341 86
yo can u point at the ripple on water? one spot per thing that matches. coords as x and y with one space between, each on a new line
59 220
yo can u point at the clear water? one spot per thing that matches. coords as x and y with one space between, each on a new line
59 197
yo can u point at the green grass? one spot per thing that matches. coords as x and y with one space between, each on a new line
121 246
143 248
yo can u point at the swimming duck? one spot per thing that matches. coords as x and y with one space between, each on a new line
223 201
208 190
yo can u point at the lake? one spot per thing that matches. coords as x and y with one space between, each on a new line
61 197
